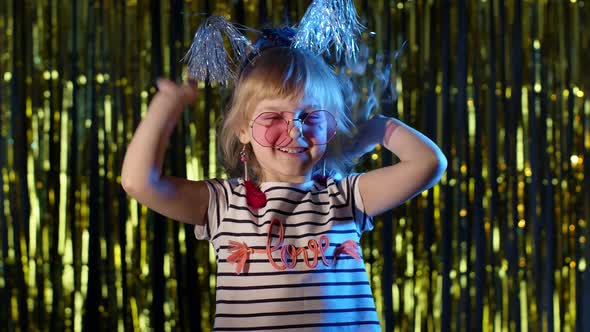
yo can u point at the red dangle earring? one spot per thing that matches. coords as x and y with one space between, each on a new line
255 198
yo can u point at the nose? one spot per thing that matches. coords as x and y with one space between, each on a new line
295 128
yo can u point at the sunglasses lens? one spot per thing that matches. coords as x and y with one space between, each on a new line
319 127
270 129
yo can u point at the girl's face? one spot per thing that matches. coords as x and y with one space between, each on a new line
288 138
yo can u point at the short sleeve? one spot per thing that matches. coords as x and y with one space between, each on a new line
219 194
349 187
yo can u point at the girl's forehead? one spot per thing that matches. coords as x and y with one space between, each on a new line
286 104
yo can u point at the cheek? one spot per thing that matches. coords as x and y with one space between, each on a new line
261 153
319 151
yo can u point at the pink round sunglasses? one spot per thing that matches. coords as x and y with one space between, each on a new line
272 129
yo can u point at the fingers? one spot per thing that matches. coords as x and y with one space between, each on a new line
187 93
165 85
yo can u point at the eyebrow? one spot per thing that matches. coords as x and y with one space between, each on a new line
280 109
272 108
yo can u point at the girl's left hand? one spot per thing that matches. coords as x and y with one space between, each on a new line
369 134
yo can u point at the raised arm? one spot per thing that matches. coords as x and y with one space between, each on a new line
421 165
141 174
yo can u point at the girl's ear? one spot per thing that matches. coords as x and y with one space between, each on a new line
244 137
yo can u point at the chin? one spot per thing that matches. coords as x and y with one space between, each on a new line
294 172
286 170
289 165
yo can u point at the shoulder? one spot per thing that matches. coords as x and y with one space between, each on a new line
227 187
347 187
345 182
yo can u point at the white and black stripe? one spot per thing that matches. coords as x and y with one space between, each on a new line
327 298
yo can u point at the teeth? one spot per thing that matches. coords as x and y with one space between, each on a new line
298 150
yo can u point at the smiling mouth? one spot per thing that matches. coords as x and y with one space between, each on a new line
293 150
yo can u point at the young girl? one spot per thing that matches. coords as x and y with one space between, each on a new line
285 228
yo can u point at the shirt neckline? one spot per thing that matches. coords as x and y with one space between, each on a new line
302 185
307 185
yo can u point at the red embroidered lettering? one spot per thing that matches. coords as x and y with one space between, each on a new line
241 251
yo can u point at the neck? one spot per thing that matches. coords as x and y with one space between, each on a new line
286 178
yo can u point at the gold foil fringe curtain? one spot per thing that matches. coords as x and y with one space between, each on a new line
501 243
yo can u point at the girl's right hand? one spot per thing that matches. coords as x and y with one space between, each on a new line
179 94
167 105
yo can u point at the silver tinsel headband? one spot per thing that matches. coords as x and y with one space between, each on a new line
326 25
207 58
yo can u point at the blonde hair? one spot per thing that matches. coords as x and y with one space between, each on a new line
282 72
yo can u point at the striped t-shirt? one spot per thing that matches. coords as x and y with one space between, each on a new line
307 220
